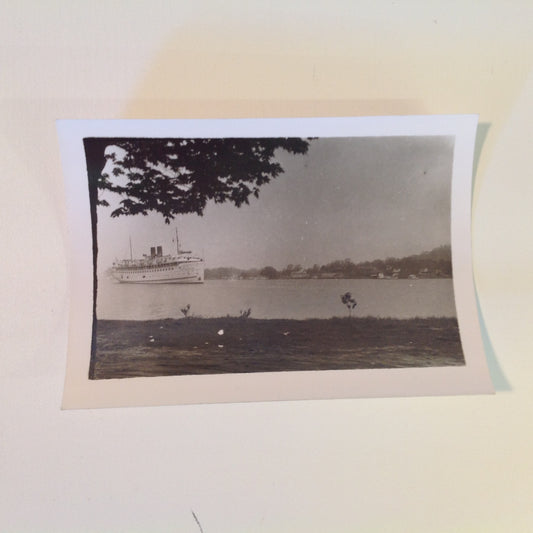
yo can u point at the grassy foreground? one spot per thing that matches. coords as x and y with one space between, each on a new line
236 345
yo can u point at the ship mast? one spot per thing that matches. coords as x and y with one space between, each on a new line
177 242
131 251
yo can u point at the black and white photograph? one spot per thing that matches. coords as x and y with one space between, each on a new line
237 255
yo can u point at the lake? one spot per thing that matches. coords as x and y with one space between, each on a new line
296 299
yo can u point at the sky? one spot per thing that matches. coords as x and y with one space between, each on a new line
358 198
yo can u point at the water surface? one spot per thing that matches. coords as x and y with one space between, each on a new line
297 299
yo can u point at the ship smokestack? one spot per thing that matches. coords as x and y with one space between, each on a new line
152 251
159 251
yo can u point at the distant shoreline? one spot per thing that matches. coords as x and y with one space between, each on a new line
210 277
433 264
192 346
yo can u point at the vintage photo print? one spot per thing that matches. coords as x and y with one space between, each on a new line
246 260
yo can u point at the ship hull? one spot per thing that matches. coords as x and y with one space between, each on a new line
184 273
161 281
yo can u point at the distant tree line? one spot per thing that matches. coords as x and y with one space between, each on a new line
436 263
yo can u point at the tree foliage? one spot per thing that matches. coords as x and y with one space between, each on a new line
269 272
348 301
179 176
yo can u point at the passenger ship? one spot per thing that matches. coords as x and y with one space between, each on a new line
158 268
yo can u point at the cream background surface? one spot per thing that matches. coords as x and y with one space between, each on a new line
413 464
